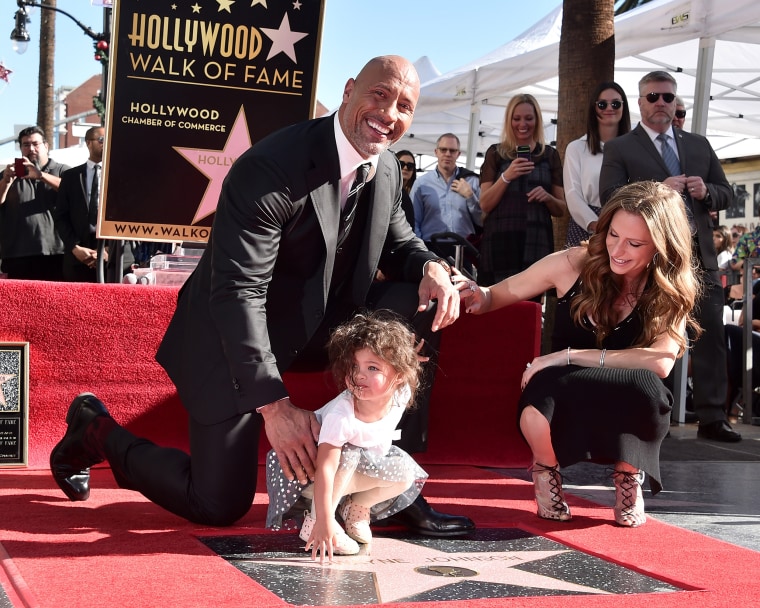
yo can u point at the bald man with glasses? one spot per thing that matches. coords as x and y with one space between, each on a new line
686 162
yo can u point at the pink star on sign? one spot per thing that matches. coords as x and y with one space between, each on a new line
283 39
215 164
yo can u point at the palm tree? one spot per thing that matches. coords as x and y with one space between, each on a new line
586 57
46 81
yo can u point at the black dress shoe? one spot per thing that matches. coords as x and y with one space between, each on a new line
420 517
71 459
719 430
690 417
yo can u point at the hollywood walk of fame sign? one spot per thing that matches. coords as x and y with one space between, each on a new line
191 86
14 403
489 563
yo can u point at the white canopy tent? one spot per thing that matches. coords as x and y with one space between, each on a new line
711 47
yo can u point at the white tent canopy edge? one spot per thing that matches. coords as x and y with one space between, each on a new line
712 48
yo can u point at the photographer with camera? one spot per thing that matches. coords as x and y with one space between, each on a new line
30 247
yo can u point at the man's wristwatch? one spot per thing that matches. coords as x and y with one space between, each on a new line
444 263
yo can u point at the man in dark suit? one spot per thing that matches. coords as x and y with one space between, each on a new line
76 212
689 165
284 265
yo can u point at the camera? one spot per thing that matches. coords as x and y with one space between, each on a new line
523 152
20 167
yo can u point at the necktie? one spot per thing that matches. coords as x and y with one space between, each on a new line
670 158
93 206
349 209
674 167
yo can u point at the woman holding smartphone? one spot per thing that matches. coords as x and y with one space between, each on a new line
608 117
519 194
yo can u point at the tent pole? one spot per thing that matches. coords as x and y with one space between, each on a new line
473 135
702 85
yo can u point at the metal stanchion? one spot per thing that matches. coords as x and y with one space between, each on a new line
747 387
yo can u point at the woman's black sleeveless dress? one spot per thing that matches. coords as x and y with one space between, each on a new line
601 414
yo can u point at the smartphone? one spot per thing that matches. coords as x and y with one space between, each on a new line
20 167
523 152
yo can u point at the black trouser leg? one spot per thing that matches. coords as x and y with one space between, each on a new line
708 358
216 487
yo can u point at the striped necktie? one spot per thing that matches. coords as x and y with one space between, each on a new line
349 210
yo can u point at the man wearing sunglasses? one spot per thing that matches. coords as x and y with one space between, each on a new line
654 150
76 212
680 114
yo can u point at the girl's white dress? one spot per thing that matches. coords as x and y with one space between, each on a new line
367 449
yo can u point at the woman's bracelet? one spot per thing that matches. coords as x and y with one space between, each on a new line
568 355
505 180
601 357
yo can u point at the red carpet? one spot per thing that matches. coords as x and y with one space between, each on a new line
117 549
103 339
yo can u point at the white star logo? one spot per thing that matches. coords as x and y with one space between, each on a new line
261 2
297 5
196 8
224 5
283 39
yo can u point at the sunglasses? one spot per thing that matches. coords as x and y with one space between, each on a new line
404 165
654 97
97 139
615 105
448 150
680 113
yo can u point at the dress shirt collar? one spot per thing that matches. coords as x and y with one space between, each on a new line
350 159
653 136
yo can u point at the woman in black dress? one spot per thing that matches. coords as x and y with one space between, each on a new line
624 303
518 195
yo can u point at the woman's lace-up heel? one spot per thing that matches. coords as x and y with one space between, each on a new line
550 500
629 502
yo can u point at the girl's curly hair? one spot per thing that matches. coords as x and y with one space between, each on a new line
384 333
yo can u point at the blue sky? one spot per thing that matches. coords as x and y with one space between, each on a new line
450 32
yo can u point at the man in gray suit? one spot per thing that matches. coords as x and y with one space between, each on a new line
655 150
286 263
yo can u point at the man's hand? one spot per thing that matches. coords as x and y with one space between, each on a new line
696 187
293 434
436 285
85 255
462 188
677 182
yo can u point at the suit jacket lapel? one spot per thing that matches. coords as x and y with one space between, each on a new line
83 183
683 153
323 182
379 216
650 147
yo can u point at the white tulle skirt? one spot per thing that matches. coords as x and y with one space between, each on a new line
394 466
